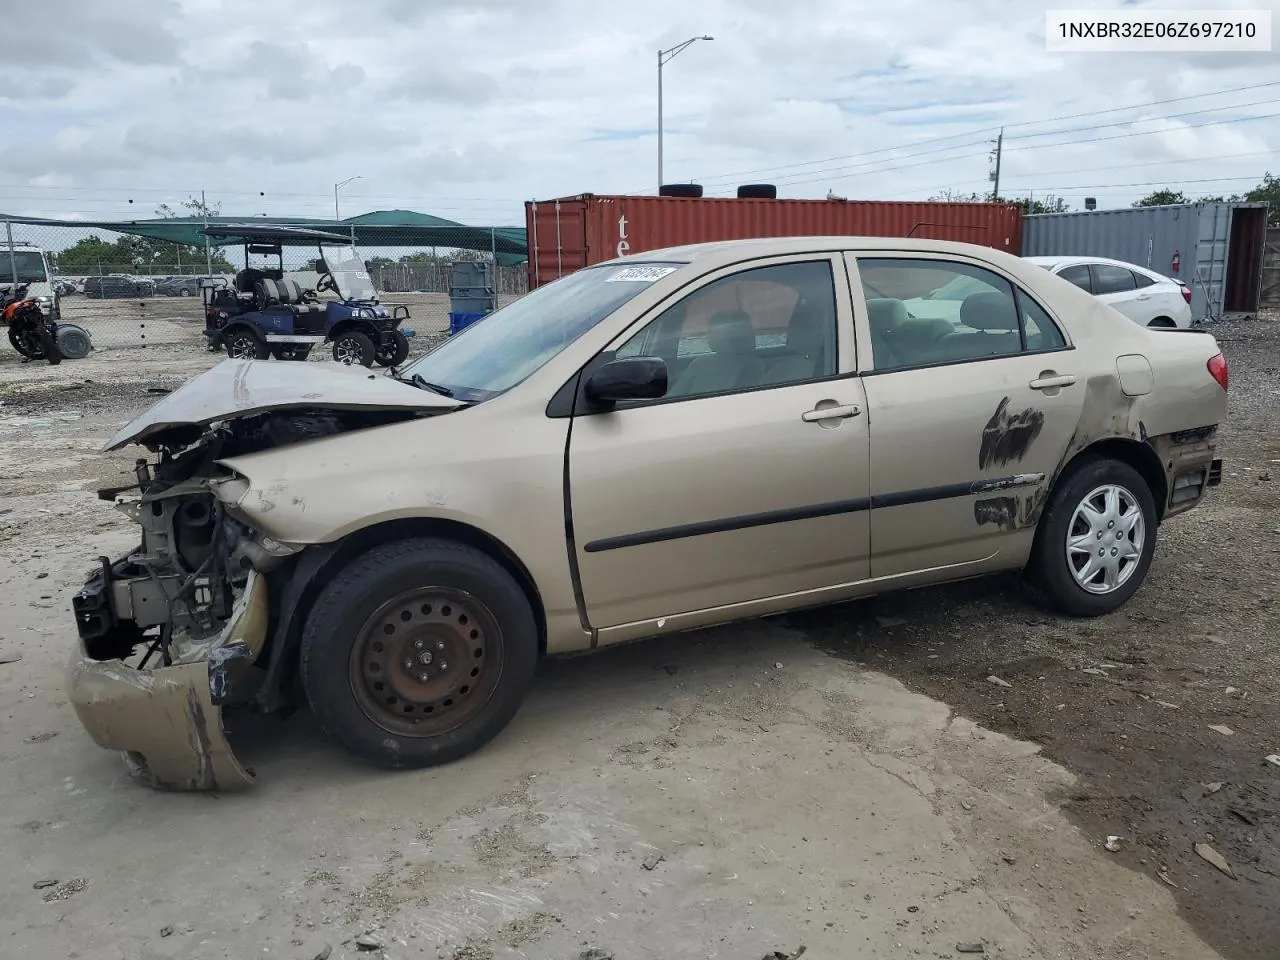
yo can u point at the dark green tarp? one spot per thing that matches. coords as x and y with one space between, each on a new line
382 228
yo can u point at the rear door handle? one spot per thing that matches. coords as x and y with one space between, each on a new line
1052 382
830 413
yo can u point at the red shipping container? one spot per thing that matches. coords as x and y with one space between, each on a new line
574 232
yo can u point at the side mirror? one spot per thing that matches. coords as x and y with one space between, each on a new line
630 378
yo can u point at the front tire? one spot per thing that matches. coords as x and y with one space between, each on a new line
394 353
1096 539
418 653
354 348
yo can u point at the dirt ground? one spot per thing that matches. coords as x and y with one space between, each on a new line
846 779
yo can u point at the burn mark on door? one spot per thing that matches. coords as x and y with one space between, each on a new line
1007 436
1011 513
1002 511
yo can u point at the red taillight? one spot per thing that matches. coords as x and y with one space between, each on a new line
1218 369
1186 293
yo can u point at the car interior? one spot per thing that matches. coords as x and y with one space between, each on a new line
745 347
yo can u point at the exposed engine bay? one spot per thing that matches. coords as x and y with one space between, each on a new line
188 614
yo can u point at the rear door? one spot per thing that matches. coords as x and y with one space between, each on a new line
967 424
1118 288
749 479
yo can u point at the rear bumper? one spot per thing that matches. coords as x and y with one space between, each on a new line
164 719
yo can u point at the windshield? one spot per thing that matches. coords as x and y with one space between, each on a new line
496 353
349 273
29 264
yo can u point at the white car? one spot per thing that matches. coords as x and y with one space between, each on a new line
1145 297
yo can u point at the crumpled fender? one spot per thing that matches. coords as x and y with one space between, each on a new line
165 720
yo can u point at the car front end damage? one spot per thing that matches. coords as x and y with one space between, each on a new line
181 627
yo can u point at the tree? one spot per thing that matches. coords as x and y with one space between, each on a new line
1268 191
1048 204
162 254
1163 197
92 255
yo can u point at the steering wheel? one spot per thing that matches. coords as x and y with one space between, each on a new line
325 283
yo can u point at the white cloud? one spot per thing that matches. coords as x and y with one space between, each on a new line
465 108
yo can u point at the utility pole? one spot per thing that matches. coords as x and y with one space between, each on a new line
208 254
663 57
995 177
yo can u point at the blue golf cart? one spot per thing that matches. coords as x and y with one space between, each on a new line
267 314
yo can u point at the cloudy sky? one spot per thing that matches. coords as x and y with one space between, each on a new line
466 108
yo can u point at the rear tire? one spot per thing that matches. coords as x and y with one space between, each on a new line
1163 322
353 348
244 344
1096 539
74 342
418 653
395 353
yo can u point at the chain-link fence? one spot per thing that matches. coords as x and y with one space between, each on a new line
133 292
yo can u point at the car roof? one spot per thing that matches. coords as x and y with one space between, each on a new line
1065 261
781 246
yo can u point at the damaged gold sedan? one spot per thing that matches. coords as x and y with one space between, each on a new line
676 439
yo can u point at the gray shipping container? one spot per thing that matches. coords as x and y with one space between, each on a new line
1219 246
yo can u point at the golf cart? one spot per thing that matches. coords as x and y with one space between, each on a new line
268 314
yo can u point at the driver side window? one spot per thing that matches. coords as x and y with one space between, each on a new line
759 328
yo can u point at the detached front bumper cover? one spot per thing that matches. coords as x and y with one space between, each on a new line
165 719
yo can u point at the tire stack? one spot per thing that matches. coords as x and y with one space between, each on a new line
471 293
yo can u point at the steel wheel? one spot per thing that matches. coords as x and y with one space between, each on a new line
1105 539
426 662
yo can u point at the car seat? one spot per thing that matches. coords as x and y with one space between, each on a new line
806 345
732 363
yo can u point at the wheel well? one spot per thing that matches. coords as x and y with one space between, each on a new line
234 326
1162 322
362 540
1140 456
347 326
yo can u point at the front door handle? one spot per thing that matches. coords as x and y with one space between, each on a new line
820 413
1051 381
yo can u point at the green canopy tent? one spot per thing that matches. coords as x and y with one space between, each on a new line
381 228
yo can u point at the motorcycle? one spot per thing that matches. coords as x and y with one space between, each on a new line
33 333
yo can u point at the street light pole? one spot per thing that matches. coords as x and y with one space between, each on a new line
336 188
663 57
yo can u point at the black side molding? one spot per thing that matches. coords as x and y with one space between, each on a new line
813 511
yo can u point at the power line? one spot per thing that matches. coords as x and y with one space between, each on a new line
1170 116
869 168
1147 133
986 131
1147 163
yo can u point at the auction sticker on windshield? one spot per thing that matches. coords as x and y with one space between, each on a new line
640 274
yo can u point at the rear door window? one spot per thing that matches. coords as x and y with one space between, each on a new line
1110 279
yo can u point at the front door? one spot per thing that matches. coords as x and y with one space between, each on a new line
749 479
968 419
